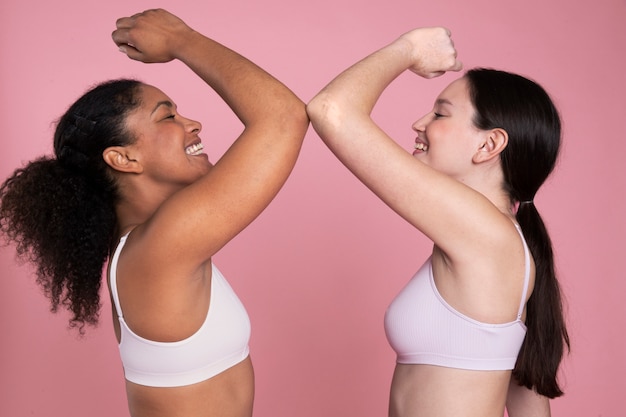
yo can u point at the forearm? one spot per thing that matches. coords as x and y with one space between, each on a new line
428 52
256 97
252 93
354 92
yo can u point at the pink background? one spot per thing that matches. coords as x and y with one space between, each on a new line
319 267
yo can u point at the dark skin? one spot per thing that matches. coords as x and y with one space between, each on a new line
191 212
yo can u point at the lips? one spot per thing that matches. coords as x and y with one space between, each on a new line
420 145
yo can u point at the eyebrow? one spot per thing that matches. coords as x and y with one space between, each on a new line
443 101
166 103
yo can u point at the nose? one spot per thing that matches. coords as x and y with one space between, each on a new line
193 126
420 124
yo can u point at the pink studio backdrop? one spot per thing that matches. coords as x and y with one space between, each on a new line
319 267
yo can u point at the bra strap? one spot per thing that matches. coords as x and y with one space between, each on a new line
526 274
113 274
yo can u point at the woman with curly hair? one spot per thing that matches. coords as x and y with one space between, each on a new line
129 182
480 326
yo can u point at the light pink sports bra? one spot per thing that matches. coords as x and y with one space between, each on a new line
220 343
423 328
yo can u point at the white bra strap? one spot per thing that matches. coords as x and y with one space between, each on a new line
113 275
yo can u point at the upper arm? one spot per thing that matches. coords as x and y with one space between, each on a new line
450 213
193 224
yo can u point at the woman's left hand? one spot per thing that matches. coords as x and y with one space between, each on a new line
151 36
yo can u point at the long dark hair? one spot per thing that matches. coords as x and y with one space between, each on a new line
525 111
59 211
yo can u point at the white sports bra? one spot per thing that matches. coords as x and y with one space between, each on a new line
220 343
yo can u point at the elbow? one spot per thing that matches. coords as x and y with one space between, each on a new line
291 121
298 120
301 117
324 113
316 107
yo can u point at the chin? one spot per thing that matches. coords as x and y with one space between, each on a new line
206 169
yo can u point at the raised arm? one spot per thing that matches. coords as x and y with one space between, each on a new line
428 52
433 202
244 181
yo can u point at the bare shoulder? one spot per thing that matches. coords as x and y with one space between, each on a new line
488 283
155 290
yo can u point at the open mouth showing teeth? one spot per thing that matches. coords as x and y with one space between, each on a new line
421 146
195 149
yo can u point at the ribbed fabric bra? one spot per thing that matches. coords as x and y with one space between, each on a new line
423 328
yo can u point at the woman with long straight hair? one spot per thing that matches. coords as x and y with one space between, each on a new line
480 325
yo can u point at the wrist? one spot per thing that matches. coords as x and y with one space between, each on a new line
402 52
184 45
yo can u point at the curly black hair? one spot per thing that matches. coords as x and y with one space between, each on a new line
60 211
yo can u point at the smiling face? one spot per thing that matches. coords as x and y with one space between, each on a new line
167 145
446 137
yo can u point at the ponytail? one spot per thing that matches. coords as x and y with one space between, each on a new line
546 336
60 211
525 111
62 225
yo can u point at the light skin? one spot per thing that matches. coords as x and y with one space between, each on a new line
450 189
181 207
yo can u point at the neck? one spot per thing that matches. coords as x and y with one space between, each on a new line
137 205
489 183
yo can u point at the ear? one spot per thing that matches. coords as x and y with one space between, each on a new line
119 158
495 141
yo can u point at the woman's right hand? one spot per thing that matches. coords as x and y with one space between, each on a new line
432 51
